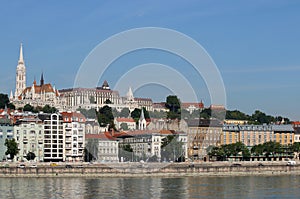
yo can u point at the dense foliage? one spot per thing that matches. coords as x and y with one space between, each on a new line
105 117
4 101
12 148
268 149
173 104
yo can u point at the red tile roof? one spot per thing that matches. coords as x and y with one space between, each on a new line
195 104
73 117
39 89
101 136
123 119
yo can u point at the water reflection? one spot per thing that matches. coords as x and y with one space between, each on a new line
152 187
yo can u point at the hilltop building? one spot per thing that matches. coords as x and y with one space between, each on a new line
88 98
35 95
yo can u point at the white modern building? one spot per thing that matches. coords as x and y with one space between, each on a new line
54 137
74 128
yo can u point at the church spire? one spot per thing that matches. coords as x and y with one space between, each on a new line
130 96
21 59
20 74
142 121
142 117
42 79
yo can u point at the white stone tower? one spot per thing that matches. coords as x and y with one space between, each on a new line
142 121
21 74
130 97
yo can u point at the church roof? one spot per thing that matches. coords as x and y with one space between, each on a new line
39 89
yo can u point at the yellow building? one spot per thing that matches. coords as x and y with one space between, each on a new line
284 134
240 122
230 134
251 135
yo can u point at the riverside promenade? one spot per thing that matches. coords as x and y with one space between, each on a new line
151 169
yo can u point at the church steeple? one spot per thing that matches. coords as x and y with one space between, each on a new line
42 79
20 74
21 59
130 96
142 121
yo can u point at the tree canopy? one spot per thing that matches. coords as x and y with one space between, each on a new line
105 117
124 112
12 148
225 151
136 114
4 101
30 156
173 104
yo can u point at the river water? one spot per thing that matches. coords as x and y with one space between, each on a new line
152 187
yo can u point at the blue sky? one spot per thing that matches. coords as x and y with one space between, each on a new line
255 45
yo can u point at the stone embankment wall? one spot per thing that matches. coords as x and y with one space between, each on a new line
149 170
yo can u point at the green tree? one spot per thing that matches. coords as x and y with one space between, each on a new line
12 148
28 107
205 113
105 117
236 115
271 148
124 112
173 104
30 156
4 101
257 150
218 152
136 114
49 109
296 147
124 126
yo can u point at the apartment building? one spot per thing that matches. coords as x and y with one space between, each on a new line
74 128
29 135
54 137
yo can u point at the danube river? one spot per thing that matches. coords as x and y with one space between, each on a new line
152 187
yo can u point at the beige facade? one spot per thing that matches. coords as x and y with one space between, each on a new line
89 97
202 134
29 135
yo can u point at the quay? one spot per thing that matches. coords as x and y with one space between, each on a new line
153 169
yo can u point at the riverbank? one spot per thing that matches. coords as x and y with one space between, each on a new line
154 169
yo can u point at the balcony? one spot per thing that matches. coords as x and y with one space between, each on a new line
68 133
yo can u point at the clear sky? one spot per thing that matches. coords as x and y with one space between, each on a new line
255 45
